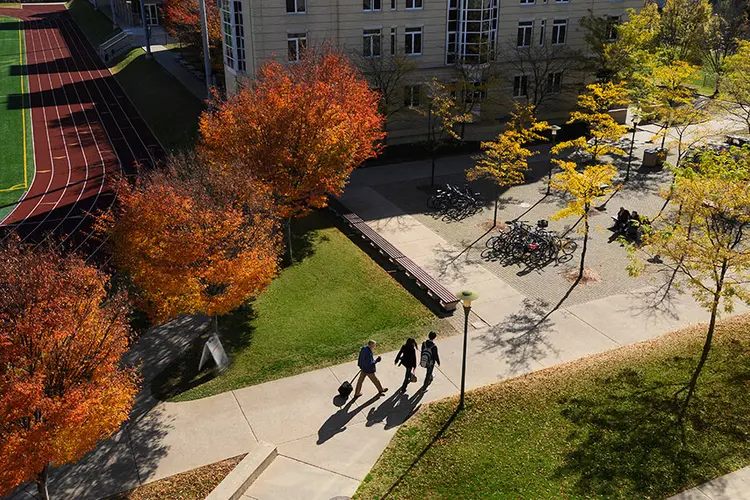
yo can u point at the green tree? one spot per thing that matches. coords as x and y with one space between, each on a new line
604 131
682 28
705 239
504 160
734 88
443 114
669 91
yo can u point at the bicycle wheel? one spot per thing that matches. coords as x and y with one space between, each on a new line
568 247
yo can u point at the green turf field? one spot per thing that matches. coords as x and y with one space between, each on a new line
16 148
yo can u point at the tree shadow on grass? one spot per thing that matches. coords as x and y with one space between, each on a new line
306 234
627 439
182 374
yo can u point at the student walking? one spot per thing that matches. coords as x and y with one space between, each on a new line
407 357
366 363
429 357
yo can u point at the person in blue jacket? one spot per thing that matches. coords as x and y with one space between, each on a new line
367 363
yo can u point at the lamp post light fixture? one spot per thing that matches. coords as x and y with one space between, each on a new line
466 297
636 120
554 129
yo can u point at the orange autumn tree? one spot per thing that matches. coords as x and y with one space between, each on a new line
62 384
186 250
182 21
299 130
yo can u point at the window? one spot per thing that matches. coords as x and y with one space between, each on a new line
295 6
371 43
525 30
611 29
474 93
413 41
233 33
521 86
226 28
296 44
411 95
554 82
562 1
471 31
371 5
413 4
528 2
393 4
542 31
239 36
559 30
393 41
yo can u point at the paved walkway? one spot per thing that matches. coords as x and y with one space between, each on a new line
325 450
734 486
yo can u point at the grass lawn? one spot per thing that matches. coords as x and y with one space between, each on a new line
704 82
191 485
601 427
165 104
317 313
16 146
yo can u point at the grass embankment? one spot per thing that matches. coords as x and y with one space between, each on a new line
195 484
165 104
16 147
604 426
316 313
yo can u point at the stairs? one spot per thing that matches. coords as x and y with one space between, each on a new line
119 43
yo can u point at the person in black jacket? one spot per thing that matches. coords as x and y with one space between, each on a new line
407 357
429 357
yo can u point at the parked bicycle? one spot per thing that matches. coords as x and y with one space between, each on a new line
533 246
454 203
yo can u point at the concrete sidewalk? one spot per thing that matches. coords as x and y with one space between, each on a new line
733 486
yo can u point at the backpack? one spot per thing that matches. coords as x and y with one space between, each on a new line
426 356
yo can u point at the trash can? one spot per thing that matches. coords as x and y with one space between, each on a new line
654 158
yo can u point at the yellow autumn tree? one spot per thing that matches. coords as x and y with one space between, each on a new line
668 94
505 159
704 239
583 188
604 131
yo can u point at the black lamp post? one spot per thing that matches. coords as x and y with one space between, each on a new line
466 297
554 129
636 121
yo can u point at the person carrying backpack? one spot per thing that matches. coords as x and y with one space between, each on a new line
429 357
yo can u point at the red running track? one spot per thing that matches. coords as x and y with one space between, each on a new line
85 130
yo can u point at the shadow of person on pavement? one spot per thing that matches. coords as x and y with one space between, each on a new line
337 422
396 410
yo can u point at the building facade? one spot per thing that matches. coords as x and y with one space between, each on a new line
491 53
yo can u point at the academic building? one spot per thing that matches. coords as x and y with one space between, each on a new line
490 52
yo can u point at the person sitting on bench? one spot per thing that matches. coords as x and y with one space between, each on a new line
621 221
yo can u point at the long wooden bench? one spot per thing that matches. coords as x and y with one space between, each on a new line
434 289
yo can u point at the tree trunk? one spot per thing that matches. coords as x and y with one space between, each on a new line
585 245
289 239
41 483
706 346
494 220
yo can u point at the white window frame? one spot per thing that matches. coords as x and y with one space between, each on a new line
562 1
521 87
299 47
372 5
414 5
410 33
300 7
528 37
394 40
234 60
369 44
410 92
527 2
556 25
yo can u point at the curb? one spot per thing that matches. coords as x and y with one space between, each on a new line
245 473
